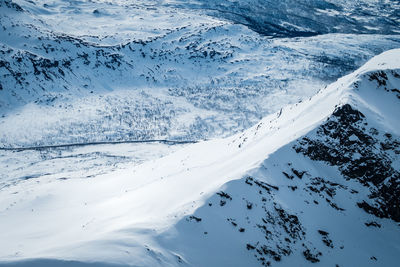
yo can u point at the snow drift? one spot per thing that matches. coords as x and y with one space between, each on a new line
316 183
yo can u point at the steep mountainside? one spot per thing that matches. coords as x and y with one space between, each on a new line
315 184
307 18
86 71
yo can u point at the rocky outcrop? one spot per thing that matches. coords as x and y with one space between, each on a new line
362 153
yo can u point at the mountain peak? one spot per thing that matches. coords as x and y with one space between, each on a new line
114 144
296 187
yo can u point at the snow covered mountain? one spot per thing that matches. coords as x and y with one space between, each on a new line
308 18
316 184
90 71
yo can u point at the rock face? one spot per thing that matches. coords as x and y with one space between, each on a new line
299 204
316 183
360 152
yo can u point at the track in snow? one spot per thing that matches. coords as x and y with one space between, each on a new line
169 142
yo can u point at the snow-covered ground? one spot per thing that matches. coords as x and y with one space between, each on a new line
85 71
288 191
87 161
306 17
299 169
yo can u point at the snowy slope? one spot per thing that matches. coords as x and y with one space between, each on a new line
138 70
307 17
60 163
314 184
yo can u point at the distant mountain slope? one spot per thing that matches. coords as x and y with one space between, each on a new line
87 71
307 18
314 184
331 196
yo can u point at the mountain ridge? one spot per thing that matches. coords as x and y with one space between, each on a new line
316 183
153 70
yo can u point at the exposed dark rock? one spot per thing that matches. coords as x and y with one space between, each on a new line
379 76
343 141
265 185
299 174
288 176
325 189
325 238
370 209
250 247
290 223
192 217
323 233
310 256
222 194
249 181
232 221
372 223
292 187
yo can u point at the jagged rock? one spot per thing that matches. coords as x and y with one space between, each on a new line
362 158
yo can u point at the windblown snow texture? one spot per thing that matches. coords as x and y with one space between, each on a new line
301 167
316 183
171 70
